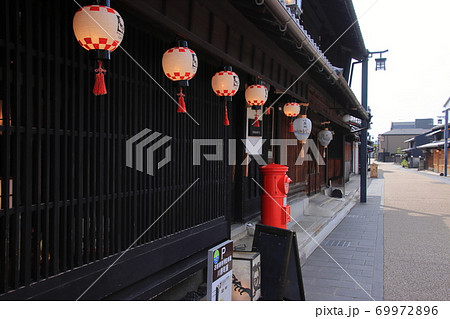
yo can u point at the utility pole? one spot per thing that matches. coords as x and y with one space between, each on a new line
365 125
445 142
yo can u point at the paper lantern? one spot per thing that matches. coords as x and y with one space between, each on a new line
325 136
302 128
291 109
180 65
256 95
98 29
225 83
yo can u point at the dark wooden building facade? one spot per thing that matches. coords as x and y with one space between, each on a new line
69 205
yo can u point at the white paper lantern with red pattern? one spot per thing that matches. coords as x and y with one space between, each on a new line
225 83
256 95
325 136
291 109
302 128
98 27
180 64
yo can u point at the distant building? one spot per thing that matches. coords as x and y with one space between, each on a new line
402 125
413 152
389 142
428 149
418 123
434 150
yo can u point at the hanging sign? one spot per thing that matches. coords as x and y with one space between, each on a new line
219 282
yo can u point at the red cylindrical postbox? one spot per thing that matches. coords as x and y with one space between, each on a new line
274 211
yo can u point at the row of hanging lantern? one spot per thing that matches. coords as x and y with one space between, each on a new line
100 29
302 126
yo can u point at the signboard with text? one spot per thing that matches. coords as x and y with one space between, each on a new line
219 283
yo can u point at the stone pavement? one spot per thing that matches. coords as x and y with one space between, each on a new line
312 218
348 265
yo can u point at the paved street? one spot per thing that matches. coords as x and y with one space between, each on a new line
394 247
416 236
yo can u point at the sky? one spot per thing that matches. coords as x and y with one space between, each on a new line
416 83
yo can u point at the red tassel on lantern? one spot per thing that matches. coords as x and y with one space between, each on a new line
99 85
268 111
181 103
256 121
291 126
226 122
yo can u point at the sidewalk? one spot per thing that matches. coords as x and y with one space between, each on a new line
312 218
349 263
349 231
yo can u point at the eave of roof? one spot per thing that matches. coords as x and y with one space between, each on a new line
344 22
300 35
433 133
433 145
356 27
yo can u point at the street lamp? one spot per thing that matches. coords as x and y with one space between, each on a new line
366 124
380 63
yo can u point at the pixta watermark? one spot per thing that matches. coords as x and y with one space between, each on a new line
309 148
144 144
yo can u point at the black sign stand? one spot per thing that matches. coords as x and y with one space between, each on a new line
281 275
